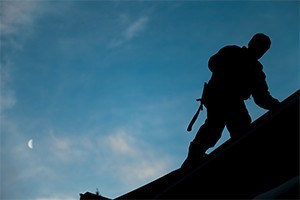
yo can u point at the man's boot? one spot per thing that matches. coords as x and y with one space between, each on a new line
196 156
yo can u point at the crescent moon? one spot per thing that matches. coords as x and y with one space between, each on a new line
30 144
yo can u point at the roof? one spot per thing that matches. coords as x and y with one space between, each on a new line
264 158
262 163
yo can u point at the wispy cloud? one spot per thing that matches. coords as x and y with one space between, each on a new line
136 161
16 19
66 149
16 14
135 28
122 143
123 156
55 198
131 31
8 98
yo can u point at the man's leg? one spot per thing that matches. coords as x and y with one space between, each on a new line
206 137
238 120
209 134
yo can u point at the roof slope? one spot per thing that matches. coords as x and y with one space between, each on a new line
266 157
263 164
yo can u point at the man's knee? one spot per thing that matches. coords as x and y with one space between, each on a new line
239 126
209 133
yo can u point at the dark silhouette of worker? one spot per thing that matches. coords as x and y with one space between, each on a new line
236 75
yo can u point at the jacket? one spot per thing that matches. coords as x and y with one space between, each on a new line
237 75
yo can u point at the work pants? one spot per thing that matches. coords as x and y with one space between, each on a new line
233 114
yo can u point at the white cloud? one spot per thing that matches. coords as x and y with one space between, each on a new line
143 170
131 31
55 198
135 28
122 143
15 15
122 157
135 161
16 19
67 149
8 99
122 154
7 95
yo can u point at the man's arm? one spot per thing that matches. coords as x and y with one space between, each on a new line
261 94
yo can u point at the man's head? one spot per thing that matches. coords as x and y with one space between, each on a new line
259 45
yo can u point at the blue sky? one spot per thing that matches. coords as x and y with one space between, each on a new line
105 89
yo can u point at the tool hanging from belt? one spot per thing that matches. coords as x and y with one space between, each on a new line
190 126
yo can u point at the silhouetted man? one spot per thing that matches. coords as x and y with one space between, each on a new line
236 75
